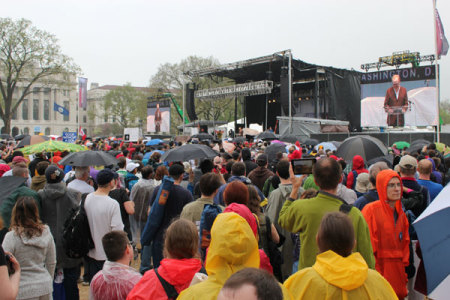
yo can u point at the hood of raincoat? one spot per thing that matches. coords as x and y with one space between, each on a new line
244 212
347 273
179 271
38 179
358 162
54 190
233 247
383 179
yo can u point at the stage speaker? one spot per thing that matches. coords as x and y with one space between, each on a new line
190 102
284 91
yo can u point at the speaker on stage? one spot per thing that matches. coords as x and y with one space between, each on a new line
284 91
190 103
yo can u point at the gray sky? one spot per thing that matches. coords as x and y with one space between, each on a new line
119 41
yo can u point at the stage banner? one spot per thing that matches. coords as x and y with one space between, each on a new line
158 116
420 84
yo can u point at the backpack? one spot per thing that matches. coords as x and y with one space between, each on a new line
170 290
209 214
77 238
414 201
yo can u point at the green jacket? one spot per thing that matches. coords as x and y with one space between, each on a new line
305 215
7 205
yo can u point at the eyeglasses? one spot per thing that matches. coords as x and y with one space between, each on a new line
394 185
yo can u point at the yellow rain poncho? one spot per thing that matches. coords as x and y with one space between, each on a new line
335 277
233 247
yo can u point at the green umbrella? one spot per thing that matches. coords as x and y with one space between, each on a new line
52 146
402 145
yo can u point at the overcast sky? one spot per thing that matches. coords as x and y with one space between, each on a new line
120 41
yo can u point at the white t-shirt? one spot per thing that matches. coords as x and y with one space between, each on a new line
103 214
80 186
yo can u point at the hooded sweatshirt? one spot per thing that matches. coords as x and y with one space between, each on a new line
178 272
233 247
390 238
37 260
336 277
259 176
358 166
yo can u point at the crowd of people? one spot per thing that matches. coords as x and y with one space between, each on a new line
240 225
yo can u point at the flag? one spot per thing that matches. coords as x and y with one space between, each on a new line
441 40
62 110
82 92
81 133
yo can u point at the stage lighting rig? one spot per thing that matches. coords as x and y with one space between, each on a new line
397 59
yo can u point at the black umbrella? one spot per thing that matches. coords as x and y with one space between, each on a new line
289 138
366 146
311 142
387 159
273 149
266 135
20 137
88 158
202 136
8 184
188 152
417 146
5 136
239 139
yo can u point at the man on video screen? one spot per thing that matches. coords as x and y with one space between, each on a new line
396 103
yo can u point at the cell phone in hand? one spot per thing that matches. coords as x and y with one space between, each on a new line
9 265
303 165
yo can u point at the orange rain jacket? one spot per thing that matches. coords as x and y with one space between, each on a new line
390 239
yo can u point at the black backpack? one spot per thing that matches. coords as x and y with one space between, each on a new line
414 201
77 238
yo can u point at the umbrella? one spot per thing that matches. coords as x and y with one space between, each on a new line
32 140
417 146
432 228
278 142
401 145
8 184
266 135
20 137
336 143
365 145
289 138
239 139
387 159
5 136
188 152
88 158
273 149
202 136
148 154
311 142
154 142
326 146
52 146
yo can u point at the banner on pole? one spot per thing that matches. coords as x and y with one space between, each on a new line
69 137
82 92
441 40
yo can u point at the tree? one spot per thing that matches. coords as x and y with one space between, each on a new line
126 104
171 77
28 56
444 111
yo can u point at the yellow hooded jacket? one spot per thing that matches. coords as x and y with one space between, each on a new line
336 277
233 247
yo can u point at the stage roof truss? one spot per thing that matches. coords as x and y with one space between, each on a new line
245 89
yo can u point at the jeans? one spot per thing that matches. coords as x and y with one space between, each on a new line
94 266
71 276
146 256
136 229
157 252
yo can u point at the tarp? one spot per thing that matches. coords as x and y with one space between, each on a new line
422 112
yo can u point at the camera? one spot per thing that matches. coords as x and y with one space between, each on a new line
303 165
9 265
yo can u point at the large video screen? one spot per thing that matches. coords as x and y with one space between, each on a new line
420 84
158 116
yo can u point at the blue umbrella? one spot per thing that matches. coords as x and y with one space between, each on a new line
432 228
148 154
154 142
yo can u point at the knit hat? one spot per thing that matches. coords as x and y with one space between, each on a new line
53 174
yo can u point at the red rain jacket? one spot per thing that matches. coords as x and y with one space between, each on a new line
358 166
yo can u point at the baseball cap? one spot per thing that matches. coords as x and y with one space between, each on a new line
53 174
105 176
131 166
19 159
408 162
